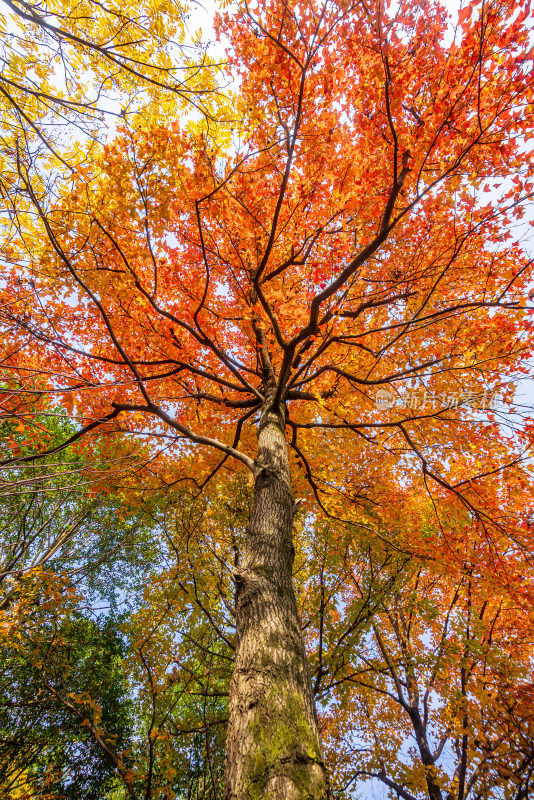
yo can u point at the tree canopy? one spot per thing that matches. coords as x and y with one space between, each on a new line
313 283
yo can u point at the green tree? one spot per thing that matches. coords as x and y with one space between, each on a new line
63 703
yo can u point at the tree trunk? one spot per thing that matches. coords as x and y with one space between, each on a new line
272 746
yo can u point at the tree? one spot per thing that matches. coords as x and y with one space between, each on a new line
420 665
80 64
64 714
73 513
201 289
436 702
182 644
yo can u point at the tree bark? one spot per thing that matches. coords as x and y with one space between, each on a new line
272 747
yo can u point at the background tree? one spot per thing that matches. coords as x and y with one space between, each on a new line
67 523
343 242
73 512
83 67
64 713
434 707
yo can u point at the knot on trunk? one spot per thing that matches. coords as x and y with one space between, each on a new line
268 476
266 472
246 583
252 582
248 578
238 575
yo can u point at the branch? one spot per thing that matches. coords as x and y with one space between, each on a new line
187 433
69 441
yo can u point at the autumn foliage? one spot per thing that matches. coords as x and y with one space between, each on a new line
334 261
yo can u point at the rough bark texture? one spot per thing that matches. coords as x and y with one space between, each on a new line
272 748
